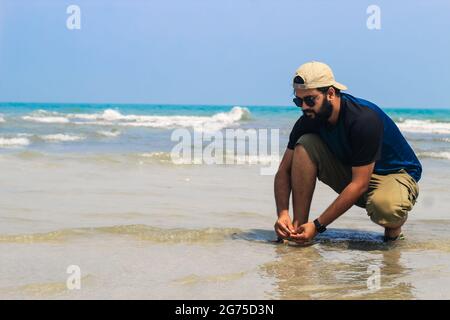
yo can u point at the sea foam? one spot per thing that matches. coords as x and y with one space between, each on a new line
424 126
61 137
434 154
109 134
110 117
46 119
14 142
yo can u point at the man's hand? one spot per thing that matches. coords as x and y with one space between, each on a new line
305 232
283 226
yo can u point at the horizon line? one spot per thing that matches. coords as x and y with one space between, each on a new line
194 104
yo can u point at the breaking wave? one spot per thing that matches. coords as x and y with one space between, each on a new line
14 142
424 126
110 117
61 137
435 155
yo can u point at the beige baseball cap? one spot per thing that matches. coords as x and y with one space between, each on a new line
315 75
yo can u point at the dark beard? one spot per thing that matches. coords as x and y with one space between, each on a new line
324 112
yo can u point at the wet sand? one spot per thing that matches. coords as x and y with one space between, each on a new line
147 230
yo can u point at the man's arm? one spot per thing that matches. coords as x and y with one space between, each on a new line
359 184
282 183
347 198
282 189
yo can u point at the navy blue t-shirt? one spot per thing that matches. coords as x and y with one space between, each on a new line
363 134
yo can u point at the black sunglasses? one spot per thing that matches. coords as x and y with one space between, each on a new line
310 101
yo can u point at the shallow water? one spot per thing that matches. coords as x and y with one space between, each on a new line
154 230
141 262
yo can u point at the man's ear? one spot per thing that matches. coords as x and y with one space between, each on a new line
331 93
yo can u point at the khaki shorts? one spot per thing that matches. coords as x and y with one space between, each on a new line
389 197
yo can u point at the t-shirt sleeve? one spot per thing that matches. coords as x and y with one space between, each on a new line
366 139
302 126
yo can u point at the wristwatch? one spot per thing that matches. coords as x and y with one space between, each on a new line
319 227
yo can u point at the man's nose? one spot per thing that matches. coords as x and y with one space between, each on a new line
305 106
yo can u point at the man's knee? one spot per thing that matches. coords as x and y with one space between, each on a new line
385 211
330 169
310 142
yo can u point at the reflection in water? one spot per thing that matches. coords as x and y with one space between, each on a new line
338 266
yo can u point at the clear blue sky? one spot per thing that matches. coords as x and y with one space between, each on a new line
241 52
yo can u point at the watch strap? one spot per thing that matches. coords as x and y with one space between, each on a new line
319 227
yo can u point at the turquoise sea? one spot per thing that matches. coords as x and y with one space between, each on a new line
134 128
